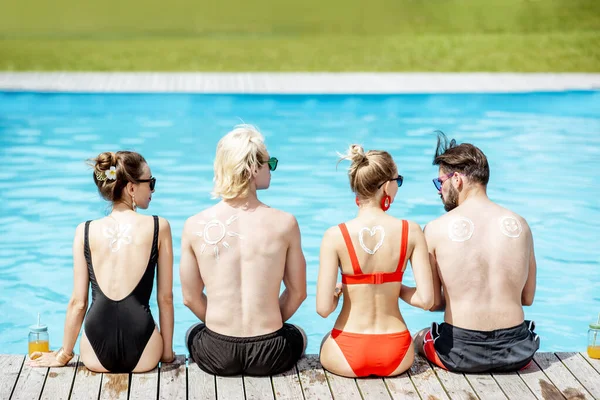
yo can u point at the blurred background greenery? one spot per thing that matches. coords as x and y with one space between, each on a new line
307 35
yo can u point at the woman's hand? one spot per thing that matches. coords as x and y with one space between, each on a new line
168 357
337 292
39 359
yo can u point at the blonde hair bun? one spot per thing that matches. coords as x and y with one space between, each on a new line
368 169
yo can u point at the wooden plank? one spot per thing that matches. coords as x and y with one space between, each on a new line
561 377
583 371
230 387
10 366
201 385
512 385
425 380
258 387
455 384
60 381
312 378
401 387
373 388
287 385
144 386
537 381
30 383
114 386
86 385
342 388
594 362
172 379
486 388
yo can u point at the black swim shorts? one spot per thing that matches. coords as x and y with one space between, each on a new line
263 355
466 350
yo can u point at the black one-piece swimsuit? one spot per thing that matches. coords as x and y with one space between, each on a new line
120 330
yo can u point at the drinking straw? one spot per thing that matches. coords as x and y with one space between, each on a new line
596 331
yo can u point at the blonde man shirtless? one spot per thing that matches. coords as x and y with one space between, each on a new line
234 257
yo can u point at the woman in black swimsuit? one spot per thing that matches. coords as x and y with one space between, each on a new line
119 256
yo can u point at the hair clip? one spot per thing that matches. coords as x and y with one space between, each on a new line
110 174
100 176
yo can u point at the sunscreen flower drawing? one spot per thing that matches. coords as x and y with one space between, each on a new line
214 232
118 235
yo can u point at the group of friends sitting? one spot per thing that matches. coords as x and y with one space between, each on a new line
476 263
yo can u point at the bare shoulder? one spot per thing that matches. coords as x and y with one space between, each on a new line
332 238
80 231
285 219
164 226
415 233
193 222
147 222
506 214
414 227
332 233
434 227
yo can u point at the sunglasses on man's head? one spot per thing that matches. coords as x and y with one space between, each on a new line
272 163
151 181
399 179
438 182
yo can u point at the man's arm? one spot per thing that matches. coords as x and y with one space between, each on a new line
294 275
192 285
529 288
439 301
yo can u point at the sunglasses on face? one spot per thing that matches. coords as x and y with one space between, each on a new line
151 181
438 182
398 180
272 162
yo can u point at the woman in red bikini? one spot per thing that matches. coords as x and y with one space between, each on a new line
370 336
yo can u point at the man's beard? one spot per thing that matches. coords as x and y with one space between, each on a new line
451 200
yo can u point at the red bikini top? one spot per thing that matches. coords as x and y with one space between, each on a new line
379 277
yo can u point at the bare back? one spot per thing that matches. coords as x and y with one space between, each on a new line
241 255
372 308
120 252
484 256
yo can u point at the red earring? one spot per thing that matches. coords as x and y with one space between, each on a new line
357 202
386 201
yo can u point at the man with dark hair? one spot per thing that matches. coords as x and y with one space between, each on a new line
484 271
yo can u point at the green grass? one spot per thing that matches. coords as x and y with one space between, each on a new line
309 35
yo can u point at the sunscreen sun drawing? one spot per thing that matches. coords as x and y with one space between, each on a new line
214 232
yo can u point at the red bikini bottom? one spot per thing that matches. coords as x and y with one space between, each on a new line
373 354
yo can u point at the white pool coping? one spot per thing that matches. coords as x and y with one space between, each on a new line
295 83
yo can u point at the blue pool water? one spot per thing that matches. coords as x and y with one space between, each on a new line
543 149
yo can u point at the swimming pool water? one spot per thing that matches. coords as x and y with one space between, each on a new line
543 150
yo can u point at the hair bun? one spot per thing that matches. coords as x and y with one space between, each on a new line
356 153
127 167
105 160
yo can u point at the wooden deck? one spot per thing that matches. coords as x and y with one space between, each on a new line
552 376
